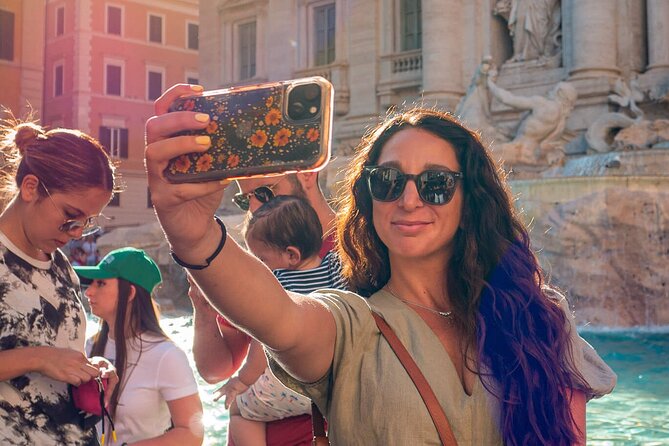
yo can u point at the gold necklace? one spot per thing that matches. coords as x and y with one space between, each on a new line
446 314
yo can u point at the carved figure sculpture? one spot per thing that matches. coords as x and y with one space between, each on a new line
534 26
474 107
601 133
537 140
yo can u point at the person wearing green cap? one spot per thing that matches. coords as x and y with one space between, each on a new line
157 397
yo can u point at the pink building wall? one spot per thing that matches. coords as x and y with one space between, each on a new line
83 50
23 76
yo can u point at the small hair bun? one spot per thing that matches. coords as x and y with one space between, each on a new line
26 134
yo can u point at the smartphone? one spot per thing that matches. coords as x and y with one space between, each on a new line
258 130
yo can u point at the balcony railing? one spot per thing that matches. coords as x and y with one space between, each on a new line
399 71
405 62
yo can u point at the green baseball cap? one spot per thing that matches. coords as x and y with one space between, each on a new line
131 264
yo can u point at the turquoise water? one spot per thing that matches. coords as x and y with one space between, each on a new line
636 413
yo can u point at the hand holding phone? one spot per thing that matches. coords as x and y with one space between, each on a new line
264 129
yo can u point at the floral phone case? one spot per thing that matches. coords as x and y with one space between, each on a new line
259 130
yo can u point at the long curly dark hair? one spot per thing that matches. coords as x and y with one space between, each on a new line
496 286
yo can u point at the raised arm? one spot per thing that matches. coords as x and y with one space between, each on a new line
298 329
508 98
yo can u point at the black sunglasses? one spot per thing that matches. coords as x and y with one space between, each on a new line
434 186
263 194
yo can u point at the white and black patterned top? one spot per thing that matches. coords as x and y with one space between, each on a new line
325 275
40 305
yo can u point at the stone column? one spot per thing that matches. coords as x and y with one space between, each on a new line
594 49
658 35
82 58
442 52
31 88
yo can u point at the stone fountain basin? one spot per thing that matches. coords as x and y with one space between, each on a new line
605 241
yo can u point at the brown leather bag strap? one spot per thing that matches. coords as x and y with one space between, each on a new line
430 399
318 427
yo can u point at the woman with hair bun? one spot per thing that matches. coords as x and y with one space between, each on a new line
53 187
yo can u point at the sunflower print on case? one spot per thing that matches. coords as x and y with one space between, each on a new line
248 132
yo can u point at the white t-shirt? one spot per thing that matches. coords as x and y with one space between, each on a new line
162 374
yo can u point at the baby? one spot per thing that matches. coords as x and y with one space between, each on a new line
285 234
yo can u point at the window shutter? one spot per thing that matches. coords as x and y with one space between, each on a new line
124 143
105 138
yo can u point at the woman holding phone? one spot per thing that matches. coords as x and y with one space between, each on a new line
429 240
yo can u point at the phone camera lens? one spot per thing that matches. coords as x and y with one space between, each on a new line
304 102
296 109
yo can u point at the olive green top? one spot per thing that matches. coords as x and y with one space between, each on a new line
368 397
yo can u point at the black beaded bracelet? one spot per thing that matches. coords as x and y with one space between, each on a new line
224 236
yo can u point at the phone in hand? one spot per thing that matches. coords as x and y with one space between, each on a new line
257 130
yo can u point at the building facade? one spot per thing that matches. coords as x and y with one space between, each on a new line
571 95
21 55
383 53
102 65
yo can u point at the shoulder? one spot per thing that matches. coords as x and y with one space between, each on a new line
343 302
162 354
158 345
63 265
171 352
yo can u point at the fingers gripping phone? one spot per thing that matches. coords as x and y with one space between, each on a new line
255 130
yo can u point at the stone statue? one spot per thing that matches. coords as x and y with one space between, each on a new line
534 26
474 107
537 140
601 133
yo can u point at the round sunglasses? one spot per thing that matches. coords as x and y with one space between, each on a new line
88 226
434 186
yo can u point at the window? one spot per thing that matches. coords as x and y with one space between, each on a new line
155 85
114 20
115 141
247 50
193 36
113 81
324 27
58 80
60 21
155 29
6 35
412 28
